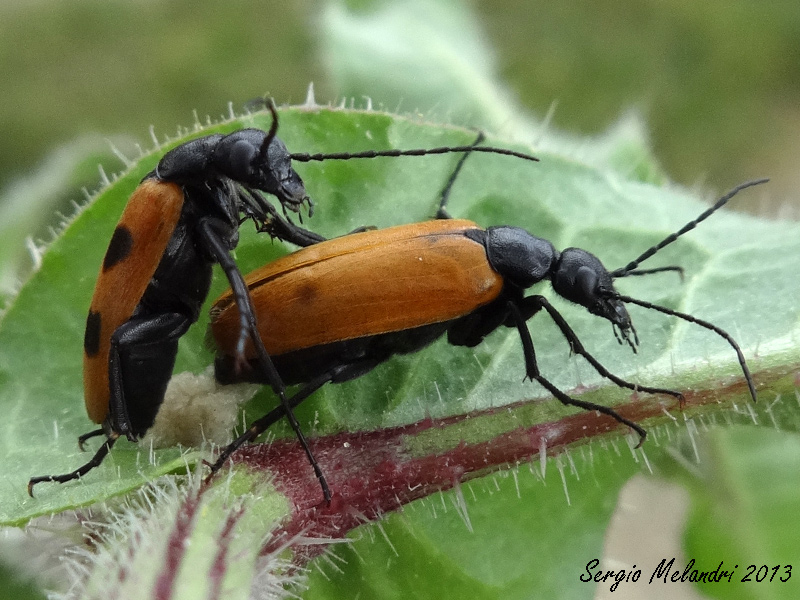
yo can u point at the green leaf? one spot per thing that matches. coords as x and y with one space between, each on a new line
41 333
438 56
18 587
193 542
738 273
744 490
28 205
431 57
498 537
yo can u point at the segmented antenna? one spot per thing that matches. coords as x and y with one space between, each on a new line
273 130
305 157
622 272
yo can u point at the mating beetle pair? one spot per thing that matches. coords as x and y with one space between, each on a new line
325 318
184 217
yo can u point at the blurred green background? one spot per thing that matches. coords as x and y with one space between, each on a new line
717 82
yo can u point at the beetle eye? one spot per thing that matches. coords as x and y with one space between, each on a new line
586 281
240 160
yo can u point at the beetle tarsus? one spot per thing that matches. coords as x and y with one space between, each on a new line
98 457
86 436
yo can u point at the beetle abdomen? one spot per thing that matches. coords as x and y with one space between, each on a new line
134 253
358 356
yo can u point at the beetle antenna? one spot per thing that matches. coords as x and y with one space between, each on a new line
273 130
687 317
639 272
626 270
305 157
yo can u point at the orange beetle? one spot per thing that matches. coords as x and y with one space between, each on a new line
333 311
182 218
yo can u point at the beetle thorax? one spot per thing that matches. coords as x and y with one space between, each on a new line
521 258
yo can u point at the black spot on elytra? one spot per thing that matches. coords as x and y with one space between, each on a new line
118 248
307 292
91 339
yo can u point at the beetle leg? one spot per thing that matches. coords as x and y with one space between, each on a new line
442 213
533 372
577 347
248 315
470 330
282 228
261 425
285 230
207 229
98 457
82 438
362 229
528 351
143 354
341 373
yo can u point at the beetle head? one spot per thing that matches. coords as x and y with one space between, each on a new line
260 161
275 166
580 277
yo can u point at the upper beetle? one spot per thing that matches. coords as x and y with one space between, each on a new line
182 218
339 308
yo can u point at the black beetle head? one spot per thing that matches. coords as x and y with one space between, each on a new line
289 188
581 278
261 162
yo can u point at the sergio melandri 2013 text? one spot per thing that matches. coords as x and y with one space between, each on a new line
667 572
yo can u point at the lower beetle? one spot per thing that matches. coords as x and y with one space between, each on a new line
182 218
337 309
